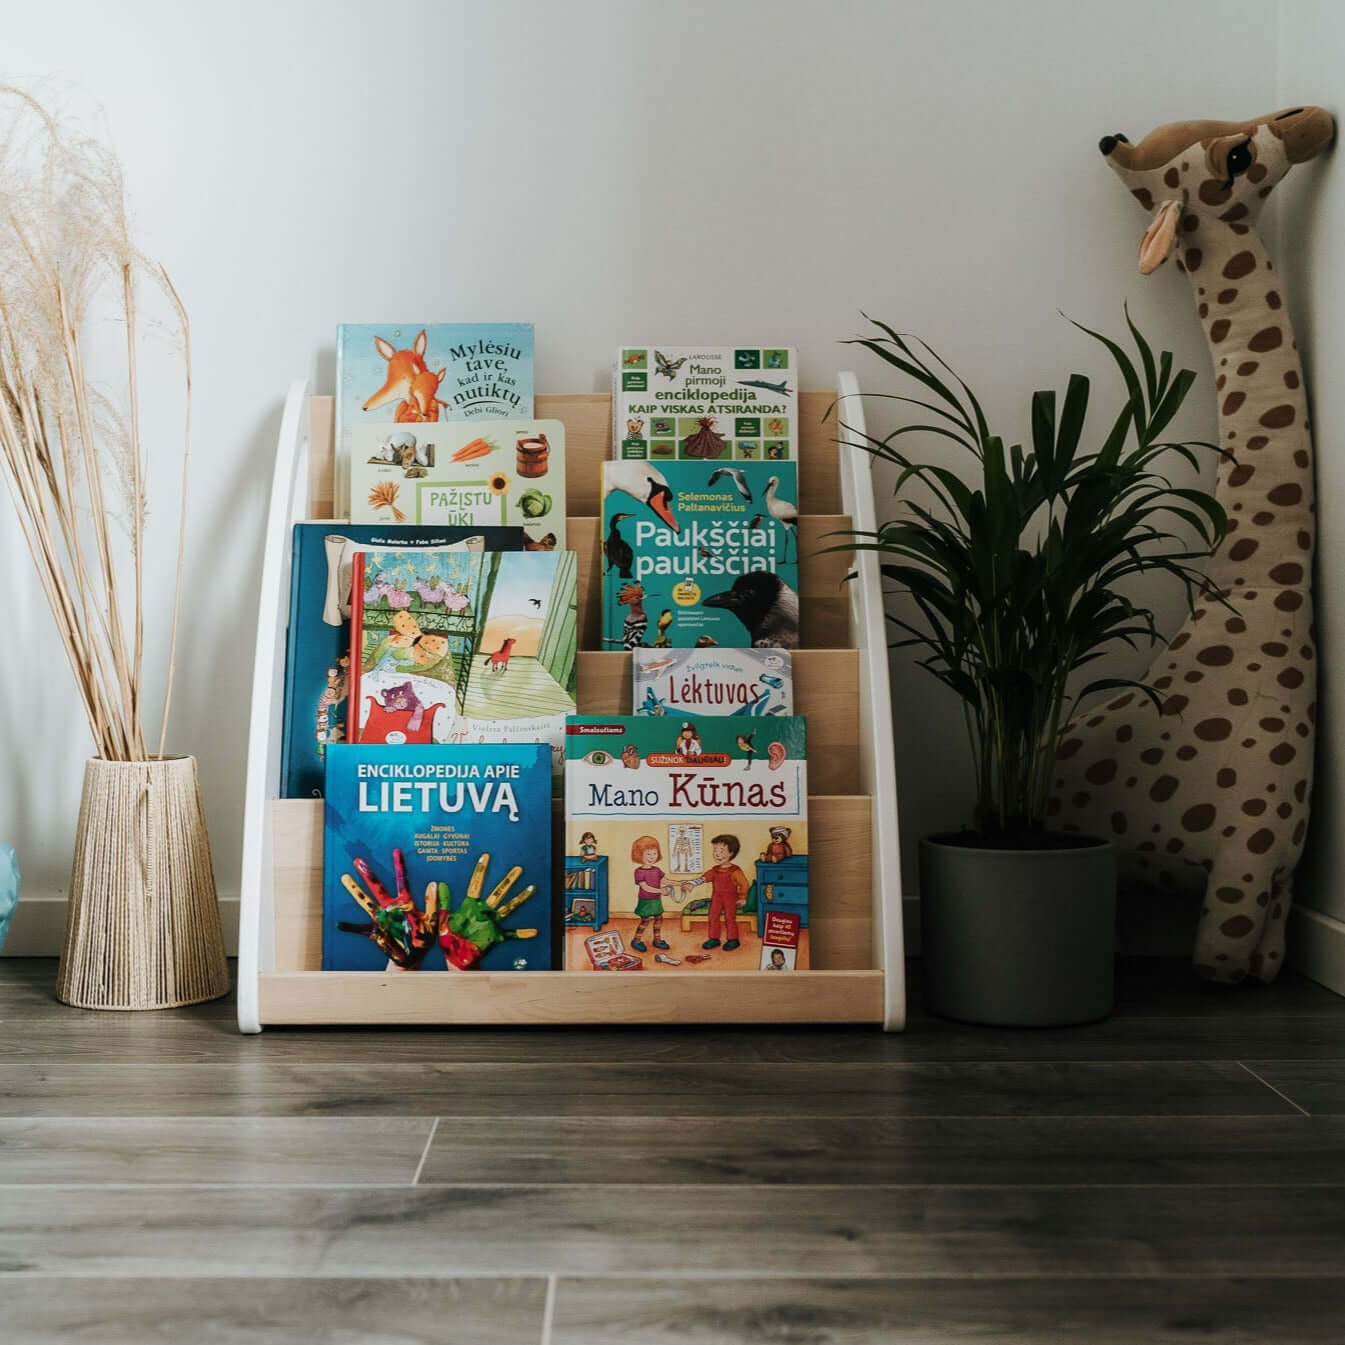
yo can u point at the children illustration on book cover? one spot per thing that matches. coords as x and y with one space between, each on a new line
463 648
686 845
712 550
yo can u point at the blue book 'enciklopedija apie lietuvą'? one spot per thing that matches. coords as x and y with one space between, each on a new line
438 857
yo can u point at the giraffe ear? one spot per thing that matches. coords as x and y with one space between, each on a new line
1160 237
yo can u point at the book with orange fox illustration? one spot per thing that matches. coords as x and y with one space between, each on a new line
501 473
462 647
418 373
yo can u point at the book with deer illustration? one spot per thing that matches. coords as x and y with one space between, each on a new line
700 554
506 472
419 373
722 403
694 834
438 858
317 655
712 681
463 647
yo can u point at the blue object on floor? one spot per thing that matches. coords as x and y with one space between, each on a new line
9 888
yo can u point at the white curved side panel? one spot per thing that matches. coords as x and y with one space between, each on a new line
877 763
289 495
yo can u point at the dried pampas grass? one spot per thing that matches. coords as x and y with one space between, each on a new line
71 448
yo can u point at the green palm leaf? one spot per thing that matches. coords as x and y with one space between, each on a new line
1013 575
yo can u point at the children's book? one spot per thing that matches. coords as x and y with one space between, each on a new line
712 681
438 858
418 373
317 655
505 472
723 403
696 833
462 647
695 554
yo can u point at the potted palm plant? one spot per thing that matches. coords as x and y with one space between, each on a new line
1016 574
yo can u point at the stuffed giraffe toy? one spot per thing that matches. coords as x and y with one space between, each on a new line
1213 794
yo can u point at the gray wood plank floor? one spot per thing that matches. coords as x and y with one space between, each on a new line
1177 1172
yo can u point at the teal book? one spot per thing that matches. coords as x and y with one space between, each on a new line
410 374
438 858
697 554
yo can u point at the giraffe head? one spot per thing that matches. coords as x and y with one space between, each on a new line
1217 172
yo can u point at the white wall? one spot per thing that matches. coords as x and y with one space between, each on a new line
685 168
1311 45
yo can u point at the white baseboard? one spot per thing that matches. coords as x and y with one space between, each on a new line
39 925
1316 941
1317 947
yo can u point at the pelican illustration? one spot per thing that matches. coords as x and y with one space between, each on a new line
645 484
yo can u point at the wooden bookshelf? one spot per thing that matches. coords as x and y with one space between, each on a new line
840 686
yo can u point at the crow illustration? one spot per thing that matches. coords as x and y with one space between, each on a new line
766 606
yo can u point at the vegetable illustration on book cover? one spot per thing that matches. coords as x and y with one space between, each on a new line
743 682
463 648
733 403
686 844
438 858
505 472
699 555
419 373
317 656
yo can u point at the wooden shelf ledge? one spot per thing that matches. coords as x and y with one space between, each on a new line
571 998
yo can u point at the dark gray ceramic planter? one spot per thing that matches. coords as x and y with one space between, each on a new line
1018 938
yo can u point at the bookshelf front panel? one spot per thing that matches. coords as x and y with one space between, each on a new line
579 998
840 907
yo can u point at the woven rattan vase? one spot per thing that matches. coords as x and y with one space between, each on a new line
142 927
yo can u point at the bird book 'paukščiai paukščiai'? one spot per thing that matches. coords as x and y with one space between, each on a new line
696 554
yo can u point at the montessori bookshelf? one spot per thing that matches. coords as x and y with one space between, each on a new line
840 684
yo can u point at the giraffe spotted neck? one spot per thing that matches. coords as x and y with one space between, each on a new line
1205 183
1266 488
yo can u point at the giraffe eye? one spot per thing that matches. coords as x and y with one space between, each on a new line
1239 159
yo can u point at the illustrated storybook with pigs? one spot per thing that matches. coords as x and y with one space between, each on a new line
462 647
317 653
